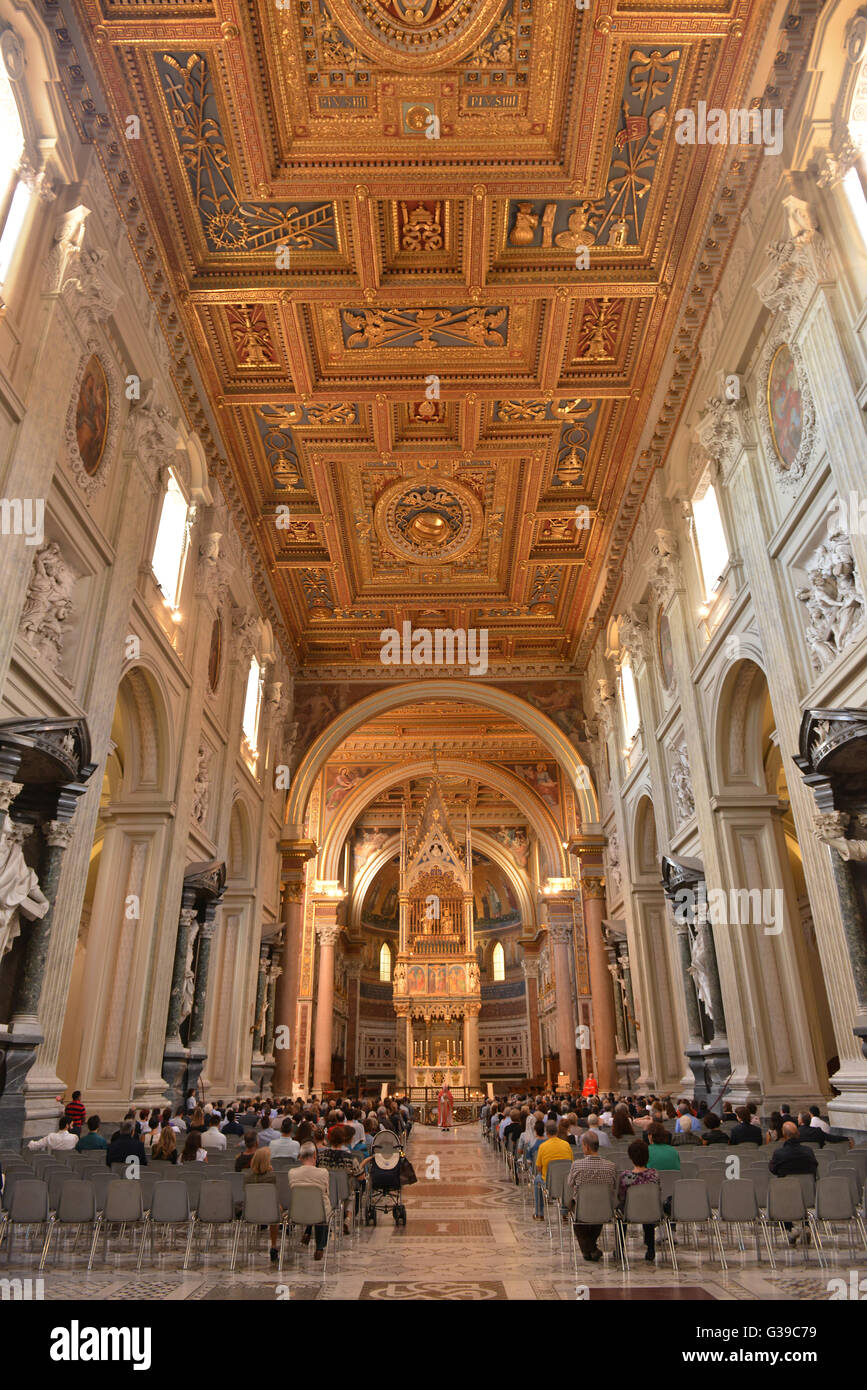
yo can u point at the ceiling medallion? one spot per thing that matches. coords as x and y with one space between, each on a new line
428 520
397 33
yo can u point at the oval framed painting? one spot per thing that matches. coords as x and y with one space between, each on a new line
215 655
92 411
92 419
664 651
785 405
785 411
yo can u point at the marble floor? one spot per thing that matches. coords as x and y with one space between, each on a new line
469 1236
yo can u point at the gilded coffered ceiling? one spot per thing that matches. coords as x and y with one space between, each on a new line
431 258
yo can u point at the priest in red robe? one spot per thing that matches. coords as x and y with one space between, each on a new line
445 1107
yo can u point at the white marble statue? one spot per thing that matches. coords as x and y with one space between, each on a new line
19 891
832 597
701 966
48 603
189 985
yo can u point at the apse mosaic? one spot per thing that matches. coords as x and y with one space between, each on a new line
228 223
615 220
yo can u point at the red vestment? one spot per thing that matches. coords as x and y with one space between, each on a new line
445 1108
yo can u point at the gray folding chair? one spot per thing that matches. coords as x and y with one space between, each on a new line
786 1204
216 1208
594 1206
169 1208
668 1180
554 1191
835 1203
713 1178
739 1207
28 1206
261 1208
644 1208
847 1171
307 1208
76 1207
689 1168
342 1201
123 1207
99 1181
691 1207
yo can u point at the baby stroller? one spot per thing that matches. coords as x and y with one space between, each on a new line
382 1191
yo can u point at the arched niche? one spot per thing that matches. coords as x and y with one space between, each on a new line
486 843
146 739
645 845
407 693
548 833
240 866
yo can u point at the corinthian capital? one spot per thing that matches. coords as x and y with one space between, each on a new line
245 635
664 571
795 266
633 630
151 434
328 933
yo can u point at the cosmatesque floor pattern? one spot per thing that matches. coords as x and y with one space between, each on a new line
469 1236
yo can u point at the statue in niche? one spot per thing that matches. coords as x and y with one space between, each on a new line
400 978
701 966
20 893
48 603
189 986
201 791
681 781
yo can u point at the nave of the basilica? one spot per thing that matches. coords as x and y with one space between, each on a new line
433 656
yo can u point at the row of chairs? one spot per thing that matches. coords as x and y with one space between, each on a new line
701 1195
169 1206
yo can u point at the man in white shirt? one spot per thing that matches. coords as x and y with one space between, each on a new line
212 1138
594 1127
60 1138
816 1121
285 1146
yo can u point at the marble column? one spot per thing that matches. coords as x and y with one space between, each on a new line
403 1047
593 893
329 934
353 986
631 1026
272 980
261 981
472 1060
20 1041
203 966
58 837
295 854
619 1019
693 1017
530 967
186 922
560 933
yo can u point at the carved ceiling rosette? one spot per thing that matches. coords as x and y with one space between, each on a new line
413 34
428 519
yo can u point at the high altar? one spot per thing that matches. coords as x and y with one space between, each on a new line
437 993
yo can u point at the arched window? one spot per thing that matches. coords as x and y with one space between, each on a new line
385 964
252 707
14 192
498 962
629 700
710 539
172 542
